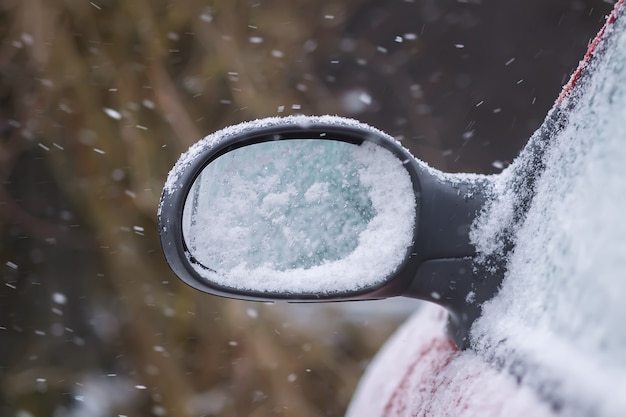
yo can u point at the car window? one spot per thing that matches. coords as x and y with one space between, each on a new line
557 322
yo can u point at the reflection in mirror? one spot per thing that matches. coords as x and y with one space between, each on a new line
300 216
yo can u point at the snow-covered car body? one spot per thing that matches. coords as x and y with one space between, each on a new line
553 340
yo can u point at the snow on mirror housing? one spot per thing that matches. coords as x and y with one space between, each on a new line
321 209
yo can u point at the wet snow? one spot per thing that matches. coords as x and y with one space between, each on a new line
59 298
113 114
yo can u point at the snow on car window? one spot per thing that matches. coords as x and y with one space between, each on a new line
249 207
558 321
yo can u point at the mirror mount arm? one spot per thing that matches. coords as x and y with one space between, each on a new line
447 274
447 209
457 285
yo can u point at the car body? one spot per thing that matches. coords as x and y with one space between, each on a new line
552 341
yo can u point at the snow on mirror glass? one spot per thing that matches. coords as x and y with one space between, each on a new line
300 216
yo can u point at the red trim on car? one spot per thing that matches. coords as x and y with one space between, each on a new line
437 354
590 51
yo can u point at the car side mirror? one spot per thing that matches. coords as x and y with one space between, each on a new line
308 209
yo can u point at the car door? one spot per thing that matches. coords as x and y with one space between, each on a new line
552 341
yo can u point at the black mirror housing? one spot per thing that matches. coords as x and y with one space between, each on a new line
436 266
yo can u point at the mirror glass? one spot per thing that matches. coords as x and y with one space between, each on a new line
300 216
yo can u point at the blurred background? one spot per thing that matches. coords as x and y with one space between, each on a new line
99 98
